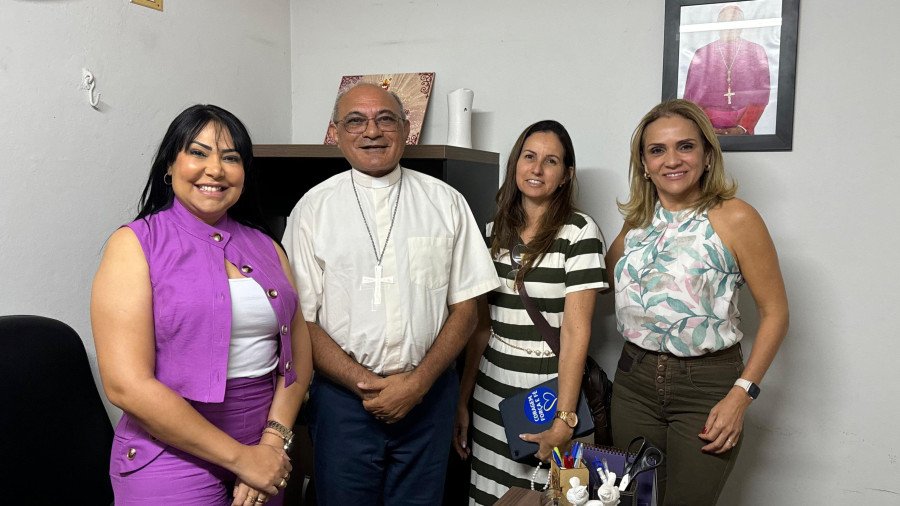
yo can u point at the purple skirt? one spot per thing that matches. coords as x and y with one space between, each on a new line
145 471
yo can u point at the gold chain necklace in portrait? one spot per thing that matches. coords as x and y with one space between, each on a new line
728 94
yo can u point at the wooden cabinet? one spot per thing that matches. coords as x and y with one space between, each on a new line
287 171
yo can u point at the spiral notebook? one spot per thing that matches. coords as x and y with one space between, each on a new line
531 411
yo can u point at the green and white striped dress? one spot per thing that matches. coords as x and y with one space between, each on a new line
574 263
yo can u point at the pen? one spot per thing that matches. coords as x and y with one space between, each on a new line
556 457
595 469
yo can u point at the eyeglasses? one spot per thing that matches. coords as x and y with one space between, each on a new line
515 262
358 124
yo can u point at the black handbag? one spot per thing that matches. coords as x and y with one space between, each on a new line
595 384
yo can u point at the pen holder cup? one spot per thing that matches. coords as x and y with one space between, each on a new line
628 498
559 480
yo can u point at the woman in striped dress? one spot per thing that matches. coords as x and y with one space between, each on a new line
562 268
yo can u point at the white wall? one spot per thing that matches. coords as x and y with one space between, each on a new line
69 175
823 430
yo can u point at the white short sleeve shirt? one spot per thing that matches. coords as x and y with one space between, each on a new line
435 257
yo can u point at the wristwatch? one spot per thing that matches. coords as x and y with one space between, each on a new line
286 434
570 417
751 387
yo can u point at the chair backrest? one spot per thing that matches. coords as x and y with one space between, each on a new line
55 435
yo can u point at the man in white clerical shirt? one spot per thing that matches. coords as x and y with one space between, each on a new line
388 263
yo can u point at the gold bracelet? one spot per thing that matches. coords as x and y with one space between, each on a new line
273 432
284 431
286 434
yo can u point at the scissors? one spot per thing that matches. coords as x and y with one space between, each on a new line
644 458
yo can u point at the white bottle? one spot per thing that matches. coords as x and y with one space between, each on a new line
459 129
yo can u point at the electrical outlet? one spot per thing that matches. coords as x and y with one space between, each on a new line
153 4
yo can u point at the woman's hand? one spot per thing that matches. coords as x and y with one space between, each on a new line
725 422
557 436
245 495
264 468
461 431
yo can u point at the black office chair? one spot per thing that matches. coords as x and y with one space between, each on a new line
55 435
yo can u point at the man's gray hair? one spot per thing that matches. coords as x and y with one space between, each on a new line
334 111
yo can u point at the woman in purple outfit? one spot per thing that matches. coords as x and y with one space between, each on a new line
198 334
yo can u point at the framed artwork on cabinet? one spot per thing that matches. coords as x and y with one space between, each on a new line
414 90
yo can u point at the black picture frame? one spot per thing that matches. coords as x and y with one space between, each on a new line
684 40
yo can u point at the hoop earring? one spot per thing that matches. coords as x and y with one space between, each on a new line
169 182
707 166
646 176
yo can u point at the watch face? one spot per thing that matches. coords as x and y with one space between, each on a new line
753 390
570 417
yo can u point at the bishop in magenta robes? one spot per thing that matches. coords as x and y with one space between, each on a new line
729 79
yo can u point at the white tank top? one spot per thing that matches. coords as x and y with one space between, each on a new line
254 345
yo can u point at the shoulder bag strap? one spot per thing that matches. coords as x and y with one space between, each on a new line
548 332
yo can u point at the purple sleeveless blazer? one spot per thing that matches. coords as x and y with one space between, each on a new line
192 308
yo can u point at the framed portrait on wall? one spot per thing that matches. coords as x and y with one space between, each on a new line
737 61
414 90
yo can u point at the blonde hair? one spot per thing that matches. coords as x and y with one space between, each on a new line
715 186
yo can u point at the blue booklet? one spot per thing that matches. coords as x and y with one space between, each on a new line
531 411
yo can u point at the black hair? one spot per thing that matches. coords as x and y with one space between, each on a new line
158 196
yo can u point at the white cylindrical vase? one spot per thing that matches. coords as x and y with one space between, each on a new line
459 128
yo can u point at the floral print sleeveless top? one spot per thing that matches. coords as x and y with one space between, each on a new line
677 286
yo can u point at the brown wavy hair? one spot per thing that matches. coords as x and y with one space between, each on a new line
510 217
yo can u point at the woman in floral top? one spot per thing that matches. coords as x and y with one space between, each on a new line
687 247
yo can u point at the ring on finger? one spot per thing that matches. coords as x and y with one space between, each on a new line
260 499
283 483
